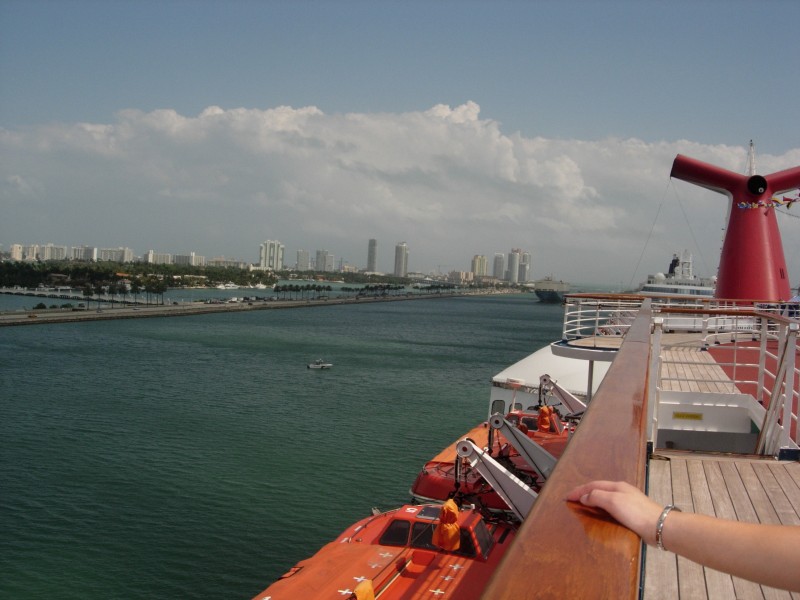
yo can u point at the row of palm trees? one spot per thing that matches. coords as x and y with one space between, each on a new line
313 291
295 289
119 291
376 289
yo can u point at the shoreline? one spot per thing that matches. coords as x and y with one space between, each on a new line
52 315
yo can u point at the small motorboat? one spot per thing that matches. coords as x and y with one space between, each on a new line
320 364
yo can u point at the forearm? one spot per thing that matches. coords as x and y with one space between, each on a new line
767 554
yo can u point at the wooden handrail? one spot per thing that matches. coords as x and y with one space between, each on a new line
564 550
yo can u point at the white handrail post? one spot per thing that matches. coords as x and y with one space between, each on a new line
653 379
788 388
567 312
762 360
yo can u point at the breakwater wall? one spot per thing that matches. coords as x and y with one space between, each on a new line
65 315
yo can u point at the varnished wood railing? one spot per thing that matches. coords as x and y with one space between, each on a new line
567 551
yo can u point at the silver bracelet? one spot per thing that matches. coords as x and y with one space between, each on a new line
660 525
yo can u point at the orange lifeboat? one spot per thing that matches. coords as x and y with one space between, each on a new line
394 555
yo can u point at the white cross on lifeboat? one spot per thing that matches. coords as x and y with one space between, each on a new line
375 566
345 592
456 567
437 592
447 577
360 579
386 554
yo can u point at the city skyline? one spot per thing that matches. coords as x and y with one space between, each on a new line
271 256
326 123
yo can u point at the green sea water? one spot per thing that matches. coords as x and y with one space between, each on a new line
198 457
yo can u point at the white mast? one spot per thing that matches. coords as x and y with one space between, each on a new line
751 160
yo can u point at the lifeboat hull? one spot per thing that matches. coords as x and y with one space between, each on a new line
393 554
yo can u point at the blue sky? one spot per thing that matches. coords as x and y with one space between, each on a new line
558 77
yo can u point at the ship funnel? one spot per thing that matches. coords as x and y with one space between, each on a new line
757 185
752 264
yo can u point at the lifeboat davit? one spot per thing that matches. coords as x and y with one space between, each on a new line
447 476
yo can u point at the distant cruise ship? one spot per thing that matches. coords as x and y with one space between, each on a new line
679 280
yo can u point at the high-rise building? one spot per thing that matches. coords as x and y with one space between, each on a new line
512 275
191 259
271 255
401 260
372 256
498 269
53 252
480 265
120 255
84 253
303 261
324 261
157 258
525 267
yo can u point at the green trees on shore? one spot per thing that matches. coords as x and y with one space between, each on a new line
107 274
138 277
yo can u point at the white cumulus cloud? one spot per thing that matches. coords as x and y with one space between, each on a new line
444 180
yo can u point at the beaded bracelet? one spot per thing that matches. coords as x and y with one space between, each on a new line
660 524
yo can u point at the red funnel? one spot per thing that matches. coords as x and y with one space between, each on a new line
752 265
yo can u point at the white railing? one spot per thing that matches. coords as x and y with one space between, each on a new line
754 354
599 315
603 315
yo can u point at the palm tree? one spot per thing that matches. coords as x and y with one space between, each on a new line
112 291
98 290
87 293
136 287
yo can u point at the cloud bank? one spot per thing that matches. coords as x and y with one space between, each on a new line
445 181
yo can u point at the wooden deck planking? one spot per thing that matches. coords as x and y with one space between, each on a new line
687 369
718 585
723 509
662 567
691 580
731 487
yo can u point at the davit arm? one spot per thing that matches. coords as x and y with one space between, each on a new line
550 387
515 493
532 453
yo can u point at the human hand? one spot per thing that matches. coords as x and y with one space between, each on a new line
626 503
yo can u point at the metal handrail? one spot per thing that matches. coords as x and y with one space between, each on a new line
600 315
728 333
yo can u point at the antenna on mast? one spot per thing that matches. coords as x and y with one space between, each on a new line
751 160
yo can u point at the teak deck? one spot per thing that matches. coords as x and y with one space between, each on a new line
741 488
689 369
